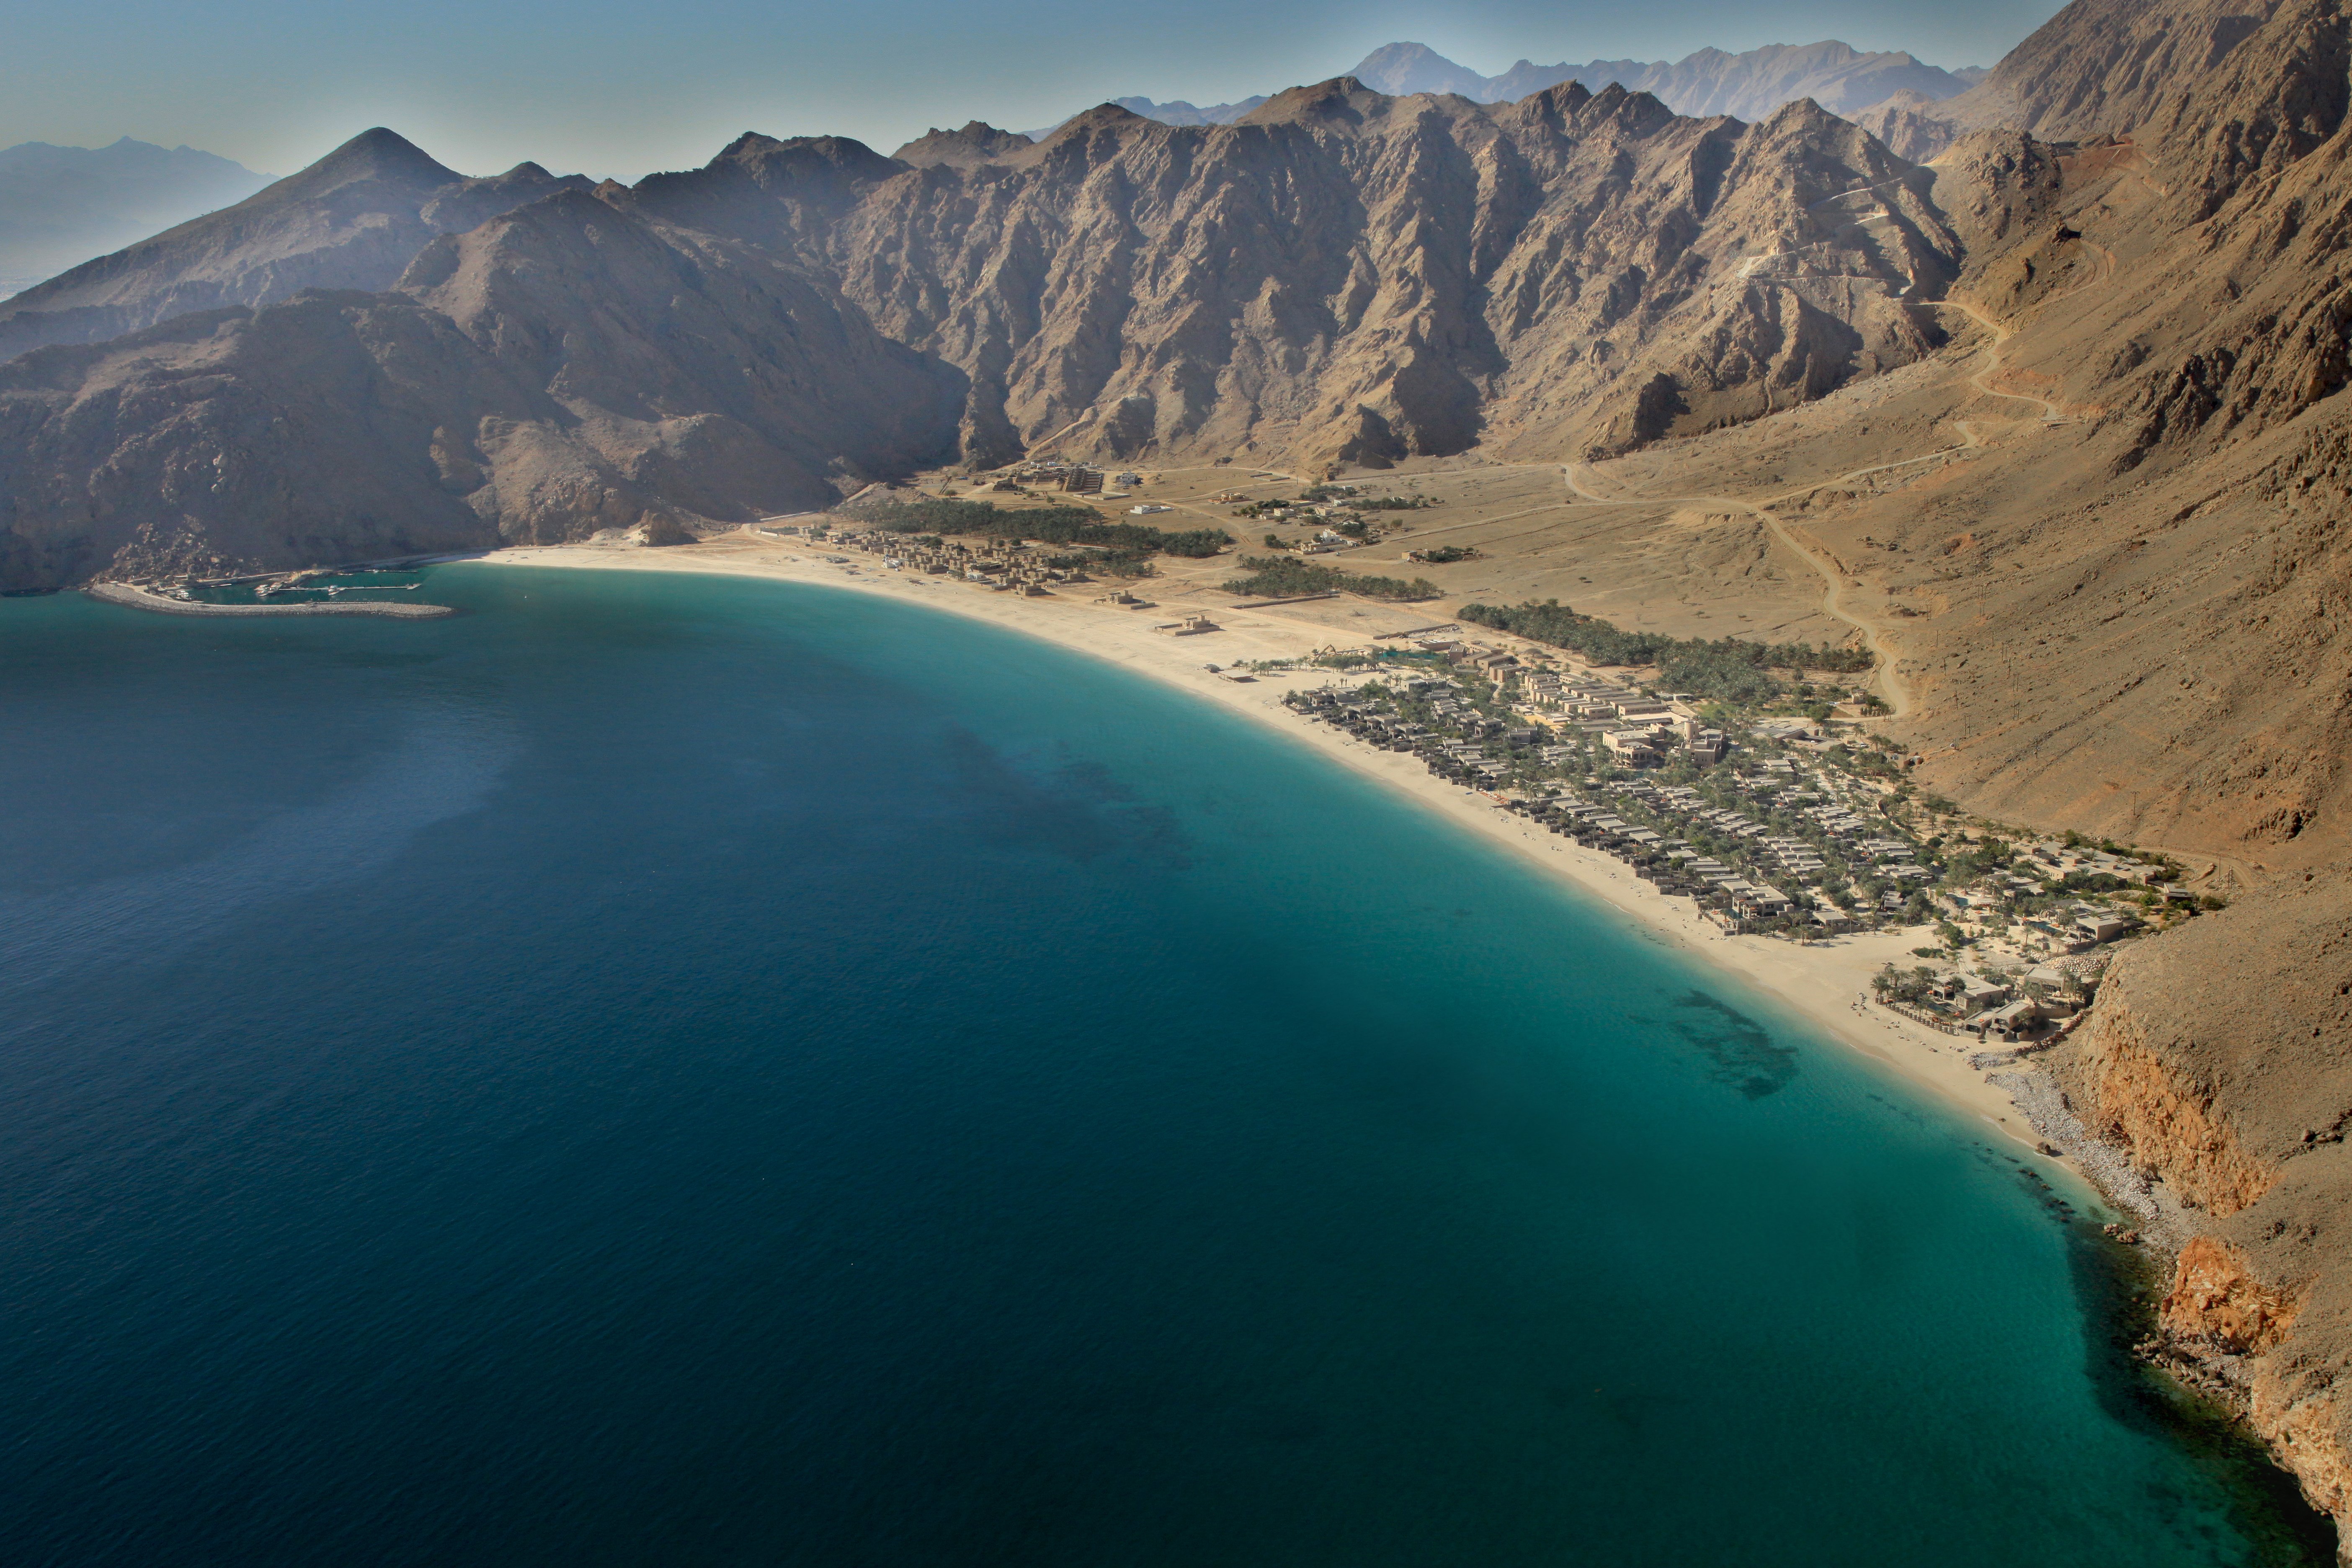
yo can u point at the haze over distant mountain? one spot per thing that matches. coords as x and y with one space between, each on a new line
1749 86
353 220
61 205
1175 111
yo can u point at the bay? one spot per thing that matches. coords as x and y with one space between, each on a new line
674 1069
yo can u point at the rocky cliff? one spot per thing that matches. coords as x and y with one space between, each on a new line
1345 276
2219 1056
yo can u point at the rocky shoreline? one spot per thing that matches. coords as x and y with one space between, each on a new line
137 597
2205 1094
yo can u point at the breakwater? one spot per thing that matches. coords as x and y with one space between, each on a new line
138 597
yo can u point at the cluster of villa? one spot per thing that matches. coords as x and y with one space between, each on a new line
2033 1004
1782 829
1639 732
1523 765
1003 564
1330 502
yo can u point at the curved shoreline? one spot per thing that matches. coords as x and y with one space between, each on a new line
132 596
1826 983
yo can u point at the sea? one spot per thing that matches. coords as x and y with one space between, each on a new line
675 1070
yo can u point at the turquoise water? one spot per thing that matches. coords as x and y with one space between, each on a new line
678 1070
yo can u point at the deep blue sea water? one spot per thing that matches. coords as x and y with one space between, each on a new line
675 1070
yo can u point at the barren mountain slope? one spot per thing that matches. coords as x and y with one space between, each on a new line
1342 276
2165 581
1910 124
1339 277
2219 74
2130 621
2228 87
353 220
1799 266
558 369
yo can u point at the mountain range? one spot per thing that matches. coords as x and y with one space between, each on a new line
1341 276
1750 85
61 205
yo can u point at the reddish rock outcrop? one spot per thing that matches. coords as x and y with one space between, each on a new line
2216 1299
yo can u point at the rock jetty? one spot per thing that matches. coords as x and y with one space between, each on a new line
142 599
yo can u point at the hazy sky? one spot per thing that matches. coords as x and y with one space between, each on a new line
603 88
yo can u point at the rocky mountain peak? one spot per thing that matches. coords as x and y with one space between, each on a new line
1398 70
1634 110
769 191
802 159
975 141
747 144
1559 104
1110 117
374 154
1343 100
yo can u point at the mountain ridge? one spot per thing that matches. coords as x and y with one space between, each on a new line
1750 85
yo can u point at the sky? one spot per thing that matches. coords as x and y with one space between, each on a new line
603 88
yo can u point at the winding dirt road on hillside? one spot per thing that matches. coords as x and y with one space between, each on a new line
1834 583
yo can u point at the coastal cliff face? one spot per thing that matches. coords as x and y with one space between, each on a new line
2219 1056
2164 1121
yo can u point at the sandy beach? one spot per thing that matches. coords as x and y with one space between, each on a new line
1825 981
